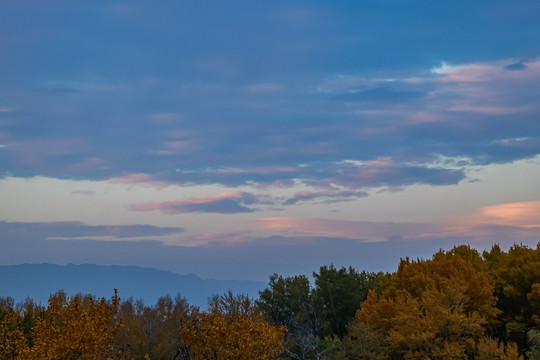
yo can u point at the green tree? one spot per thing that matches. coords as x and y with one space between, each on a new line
533 341
515 276
338 294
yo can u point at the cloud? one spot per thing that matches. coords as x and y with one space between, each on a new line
240 175
73 229
84 192
461 232
237 256
177 147
360 230
380 94
140 179
293 246
223 203
519 214
515 66
490 110
279 104
327 196
387 172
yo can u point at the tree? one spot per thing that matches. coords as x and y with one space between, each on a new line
515 276
490 349
533 340
151 330
338 294
13 344
287 301
364 342
434 309
237 334
80 327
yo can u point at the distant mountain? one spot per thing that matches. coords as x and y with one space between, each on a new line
38 281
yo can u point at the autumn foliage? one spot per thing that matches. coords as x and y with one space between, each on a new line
460 304
233 329
435 309
80 327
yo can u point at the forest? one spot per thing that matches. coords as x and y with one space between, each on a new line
460 304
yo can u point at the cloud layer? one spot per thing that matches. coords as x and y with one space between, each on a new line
224 203
252 106
255 125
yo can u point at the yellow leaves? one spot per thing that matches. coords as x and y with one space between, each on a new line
434 309
490 349
80 327
234 336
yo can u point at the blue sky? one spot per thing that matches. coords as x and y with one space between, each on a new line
236 139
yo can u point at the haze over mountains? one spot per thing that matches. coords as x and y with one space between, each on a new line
38 281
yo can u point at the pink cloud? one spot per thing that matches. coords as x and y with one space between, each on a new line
370 231
518 214
490 110
139 179
223 203
505 223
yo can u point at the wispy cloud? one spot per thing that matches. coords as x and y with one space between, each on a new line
383 94
518 66
518 214
361 230
387 172
503 223
140 179
223 203
78 230
327 196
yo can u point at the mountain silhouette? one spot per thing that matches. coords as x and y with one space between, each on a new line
38 281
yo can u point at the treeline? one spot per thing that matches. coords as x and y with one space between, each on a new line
459 304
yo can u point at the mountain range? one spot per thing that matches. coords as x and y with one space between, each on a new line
38 281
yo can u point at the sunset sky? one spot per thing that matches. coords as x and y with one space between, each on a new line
234 139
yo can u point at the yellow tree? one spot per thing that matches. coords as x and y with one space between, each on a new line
434 309
238 333
80 327
490 349
13 344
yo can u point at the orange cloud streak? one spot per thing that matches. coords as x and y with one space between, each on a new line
520 214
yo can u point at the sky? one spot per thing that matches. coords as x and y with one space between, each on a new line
235 139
